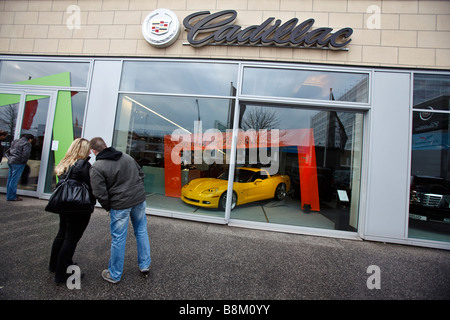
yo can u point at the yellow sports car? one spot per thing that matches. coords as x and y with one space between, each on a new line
250 184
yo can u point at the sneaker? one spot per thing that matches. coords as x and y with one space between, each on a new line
107 276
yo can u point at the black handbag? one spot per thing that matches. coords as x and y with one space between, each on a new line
71 197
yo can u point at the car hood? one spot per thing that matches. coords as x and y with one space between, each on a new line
202 184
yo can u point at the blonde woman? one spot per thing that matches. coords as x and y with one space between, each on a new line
71 226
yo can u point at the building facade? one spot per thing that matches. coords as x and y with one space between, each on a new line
315 117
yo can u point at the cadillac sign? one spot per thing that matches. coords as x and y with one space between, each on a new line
218 28
161 28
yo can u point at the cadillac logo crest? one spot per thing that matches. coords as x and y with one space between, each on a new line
161 28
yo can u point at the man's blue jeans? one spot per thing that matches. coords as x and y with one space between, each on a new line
119 228
14 174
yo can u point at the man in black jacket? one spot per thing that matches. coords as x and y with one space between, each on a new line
118 184
3 135
17 155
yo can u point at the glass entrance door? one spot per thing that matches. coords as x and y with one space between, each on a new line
9 109
27 113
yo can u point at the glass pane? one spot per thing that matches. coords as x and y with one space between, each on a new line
319 85
34 122
429 210
431 92
78 100
46 73
179 77
161 134
298 167
9 106
68 125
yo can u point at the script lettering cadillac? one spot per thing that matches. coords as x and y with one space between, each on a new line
205 28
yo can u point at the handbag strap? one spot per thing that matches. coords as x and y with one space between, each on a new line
69 172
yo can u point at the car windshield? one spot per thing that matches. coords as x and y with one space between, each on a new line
431 185
223 176
242 175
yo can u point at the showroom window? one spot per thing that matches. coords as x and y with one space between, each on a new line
26 72
295 164
298 166
166 122
212 79
429 209
306 84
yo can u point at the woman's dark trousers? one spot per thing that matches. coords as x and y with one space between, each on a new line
71 228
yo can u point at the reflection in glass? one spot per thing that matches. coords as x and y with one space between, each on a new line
318 85
76 102
179 77
150 128
34 122
9 106
430 91
306 165
73 74
184 143
429 210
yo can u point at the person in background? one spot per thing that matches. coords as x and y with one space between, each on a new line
3 135
71 226
17 155
118 184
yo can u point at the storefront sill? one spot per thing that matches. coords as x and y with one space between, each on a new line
257 225
411 242
184 216
295 229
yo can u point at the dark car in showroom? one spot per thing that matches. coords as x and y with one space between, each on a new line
429 199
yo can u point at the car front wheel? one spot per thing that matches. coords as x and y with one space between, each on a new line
223 201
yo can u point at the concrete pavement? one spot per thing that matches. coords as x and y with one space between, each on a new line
201 261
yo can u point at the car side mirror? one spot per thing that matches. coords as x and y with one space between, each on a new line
257 181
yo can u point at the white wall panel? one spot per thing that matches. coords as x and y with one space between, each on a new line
103 100
388 176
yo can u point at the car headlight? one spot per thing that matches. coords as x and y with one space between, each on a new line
210 190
